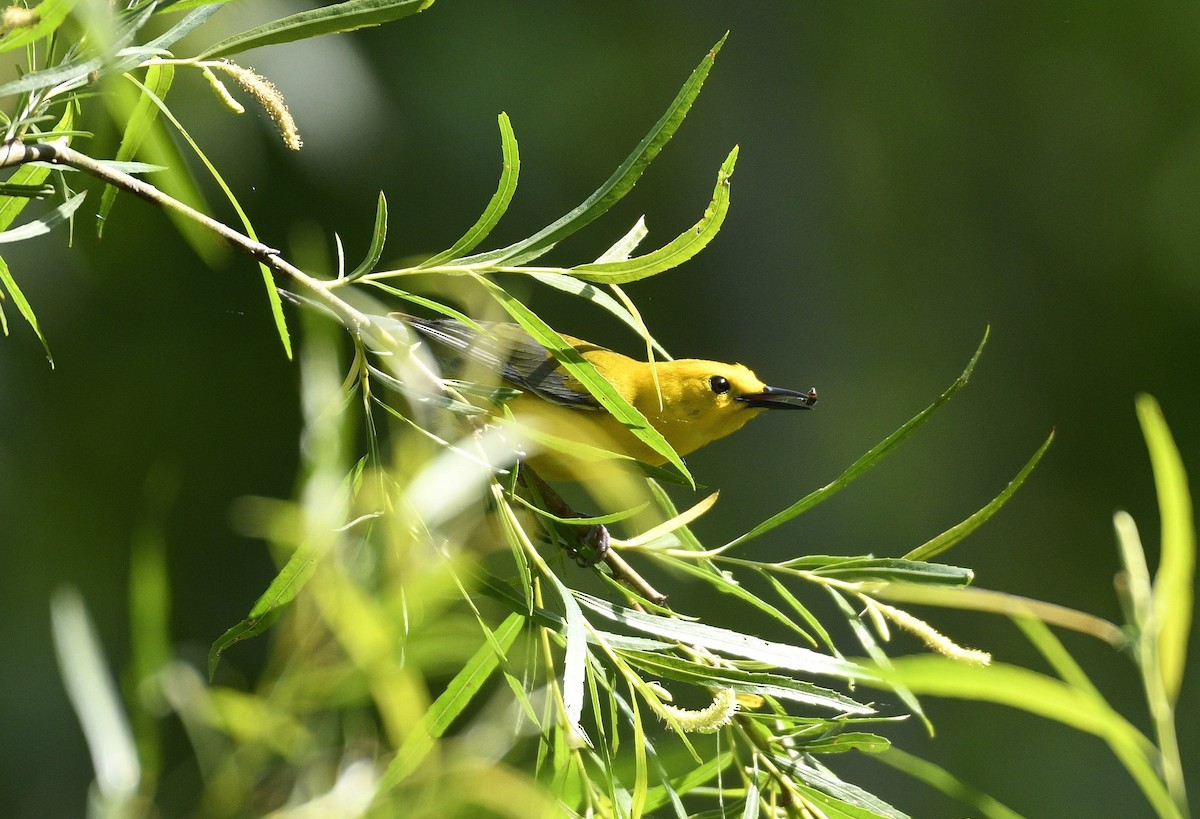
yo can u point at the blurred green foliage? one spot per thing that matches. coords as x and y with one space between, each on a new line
906 176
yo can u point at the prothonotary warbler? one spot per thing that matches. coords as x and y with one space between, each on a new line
701 401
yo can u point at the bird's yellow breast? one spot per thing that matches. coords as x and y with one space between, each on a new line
682 406
691 402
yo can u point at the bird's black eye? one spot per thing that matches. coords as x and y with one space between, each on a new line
719 384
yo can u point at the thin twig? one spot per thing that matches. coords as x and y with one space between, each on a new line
621 570
59 152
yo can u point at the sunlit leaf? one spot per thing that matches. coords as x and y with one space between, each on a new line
461 691
49 15
671 255
1174 581
283 590
43 225
137 124
779 655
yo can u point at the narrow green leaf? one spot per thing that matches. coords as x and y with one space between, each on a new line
1174 580
184 5
520 559
510 169
78 69
731 587
461 691
26 191
578 366
866 639
168 38
177 180
671 255
725 641
1043 696
813 622
31 176
750 682
872 457
575 655
7 282
750 810
826 782
617 185
378 237
139 121
273 299
960 530
283 590
348 16
896 570
44 224
942 780
586 290
590 520
659 795
848 741
49 14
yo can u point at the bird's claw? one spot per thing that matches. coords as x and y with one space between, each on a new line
598 539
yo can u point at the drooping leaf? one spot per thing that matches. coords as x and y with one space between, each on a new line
138 122
43 225
8 283
273 299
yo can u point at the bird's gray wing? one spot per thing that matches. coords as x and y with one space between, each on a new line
505 349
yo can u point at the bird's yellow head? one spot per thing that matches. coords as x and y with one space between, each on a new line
706 400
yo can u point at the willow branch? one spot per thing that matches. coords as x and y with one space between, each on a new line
15 153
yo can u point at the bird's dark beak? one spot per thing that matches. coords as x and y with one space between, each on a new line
779 398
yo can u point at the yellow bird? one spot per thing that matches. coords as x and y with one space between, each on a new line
700 402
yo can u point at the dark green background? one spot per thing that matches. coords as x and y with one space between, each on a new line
907 177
